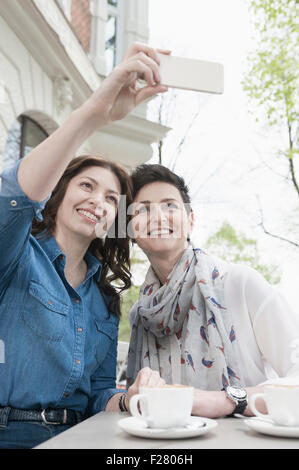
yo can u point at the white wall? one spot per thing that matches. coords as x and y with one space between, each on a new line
26 87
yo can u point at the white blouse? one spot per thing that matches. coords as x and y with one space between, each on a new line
266 327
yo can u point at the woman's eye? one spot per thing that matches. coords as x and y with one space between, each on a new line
113 199
87 185
172 205
141 210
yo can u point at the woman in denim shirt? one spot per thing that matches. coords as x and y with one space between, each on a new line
59 312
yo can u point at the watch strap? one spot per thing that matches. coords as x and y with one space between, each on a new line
241 406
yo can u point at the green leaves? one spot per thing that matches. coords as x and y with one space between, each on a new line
272 81
235 247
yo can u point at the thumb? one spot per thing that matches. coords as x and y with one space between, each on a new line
149 91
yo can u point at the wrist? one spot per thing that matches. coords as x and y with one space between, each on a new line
93 115
228 406
221 405
211 404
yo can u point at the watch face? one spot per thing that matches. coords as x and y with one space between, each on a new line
237 392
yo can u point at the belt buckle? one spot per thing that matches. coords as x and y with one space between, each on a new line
43 415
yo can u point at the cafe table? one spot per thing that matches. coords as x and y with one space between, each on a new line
102 431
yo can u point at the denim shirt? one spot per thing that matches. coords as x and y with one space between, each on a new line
60 343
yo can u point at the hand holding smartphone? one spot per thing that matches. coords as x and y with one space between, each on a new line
191 74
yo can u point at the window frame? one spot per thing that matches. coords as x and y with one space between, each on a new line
117 12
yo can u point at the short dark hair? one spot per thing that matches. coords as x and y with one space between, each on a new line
152 173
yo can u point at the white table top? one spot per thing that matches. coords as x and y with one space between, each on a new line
102 432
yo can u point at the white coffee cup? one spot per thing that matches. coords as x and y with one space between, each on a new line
282 403
163 407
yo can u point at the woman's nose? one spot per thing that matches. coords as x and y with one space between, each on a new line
98 205
157 213
100 211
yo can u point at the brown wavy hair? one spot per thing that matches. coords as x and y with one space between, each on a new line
114 252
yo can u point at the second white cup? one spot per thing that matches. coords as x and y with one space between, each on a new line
282 404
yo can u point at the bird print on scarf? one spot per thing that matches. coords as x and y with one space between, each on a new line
176 312
231 373
193 308
190 360
215 274
203 334
207 363
148 289
214 302
146 355
225 382
232 335
212 320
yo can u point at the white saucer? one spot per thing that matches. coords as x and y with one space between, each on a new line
267 427
196 427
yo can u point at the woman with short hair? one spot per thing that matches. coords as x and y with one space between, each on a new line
217 326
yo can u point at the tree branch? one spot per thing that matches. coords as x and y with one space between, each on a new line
182 141
269 233
291 159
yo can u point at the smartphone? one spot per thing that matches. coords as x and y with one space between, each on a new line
191 74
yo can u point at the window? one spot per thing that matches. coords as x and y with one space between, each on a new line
32 135
113 34
111 38
24 135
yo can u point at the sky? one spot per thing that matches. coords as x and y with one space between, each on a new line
228 158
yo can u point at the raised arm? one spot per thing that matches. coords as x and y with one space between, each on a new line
115 98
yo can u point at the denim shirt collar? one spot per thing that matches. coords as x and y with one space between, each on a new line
49 245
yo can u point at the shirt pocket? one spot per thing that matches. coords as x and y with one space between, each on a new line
43 313
107 332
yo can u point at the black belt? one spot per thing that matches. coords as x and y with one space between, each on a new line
48 416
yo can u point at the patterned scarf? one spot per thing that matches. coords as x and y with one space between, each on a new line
183 329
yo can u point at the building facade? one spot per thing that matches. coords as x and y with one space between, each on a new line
53 55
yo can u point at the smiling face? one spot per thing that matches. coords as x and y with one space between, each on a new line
160 222
90 204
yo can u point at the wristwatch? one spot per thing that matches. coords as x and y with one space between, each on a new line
239 397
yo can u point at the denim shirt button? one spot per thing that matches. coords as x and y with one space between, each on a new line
77 301
13 203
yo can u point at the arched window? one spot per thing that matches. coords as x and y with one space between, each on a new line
24 135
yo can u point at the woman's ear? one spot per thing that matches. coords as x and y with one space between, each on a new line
191 224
